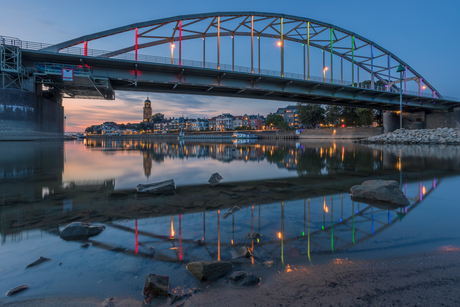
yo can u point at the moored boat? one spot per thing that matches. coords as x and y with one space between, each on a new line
244 135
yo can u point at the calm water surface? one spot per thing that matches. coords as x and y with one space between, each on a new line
294 194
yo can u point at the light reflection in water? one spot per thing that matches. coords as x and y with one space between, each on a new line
303 231
218 235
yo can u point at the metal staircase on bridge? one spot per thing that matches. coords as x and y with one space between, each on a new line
83 85
12 73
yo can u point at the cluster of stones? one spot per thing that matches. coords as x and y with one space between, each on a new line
447 136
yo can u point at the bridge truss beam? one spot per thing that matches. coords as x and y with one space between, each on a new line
341 44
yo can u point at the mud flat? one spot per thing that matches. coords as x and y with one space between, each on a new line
422 280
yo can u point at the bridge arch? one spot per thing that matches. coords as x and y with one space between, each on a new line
362 53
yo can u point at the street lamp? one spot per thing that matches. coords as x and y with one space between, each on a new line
172 52
401 69
324 74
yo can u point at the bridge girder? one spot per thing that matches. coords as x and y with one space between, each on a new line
260 24
152 77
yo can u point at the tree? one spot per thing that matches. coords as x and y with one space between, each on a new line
142 126
365 116
275 120
157 117
89 130
333 115
378 115
349 116
310 114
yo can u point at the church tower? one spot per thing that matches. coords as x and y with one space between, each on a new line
147 111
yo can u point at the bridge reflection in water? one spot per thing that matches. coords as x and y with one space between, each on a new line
296 216
307 227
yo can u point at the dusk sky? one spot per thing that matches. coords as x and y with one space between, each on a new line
422 33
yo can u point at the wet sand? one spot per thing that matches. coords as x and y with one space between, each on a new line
431 279
422 280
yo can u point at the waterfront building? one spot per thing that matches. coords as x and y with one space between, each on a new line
200 124
147 111
212 123
224 122
290 116
188 124
162 126
254 122
237 122
109 127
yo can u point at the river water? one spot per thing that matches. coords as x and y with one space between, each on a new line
295 194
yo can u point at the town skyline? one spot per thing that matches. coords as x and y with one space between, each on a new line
129 108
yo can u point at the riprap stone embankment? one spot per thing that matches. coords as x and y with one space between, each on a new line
447 136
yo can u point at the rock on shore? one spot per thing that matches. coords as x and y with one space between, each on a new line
156 286
80 231
384 191
242 278
209 270
450 136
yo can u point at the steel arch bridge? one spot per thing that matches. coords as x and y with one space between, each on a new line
339 84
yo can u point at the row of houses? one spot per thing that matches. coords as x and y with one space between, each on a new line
222 122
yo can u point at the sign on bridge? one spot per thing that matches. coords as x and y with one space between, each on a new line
67 74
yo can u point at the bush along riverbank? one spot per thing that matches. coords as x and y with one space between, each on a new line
446 136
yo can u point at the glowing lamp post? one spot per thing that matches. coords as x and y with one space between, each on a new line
172 53
401 69
324 74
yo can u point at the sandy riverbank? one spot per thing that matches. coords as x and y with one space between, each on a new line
422 280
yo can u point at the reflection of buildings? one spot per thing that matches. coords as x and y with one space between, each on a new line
154 151
147 163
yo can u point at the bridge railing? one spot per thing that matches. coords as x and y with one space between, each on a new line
5 40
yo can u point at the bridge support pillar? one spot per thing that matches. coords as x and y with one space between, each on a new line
415 120
26 115
443 119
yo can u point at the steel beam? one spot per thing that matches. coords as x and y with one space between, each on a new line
372 66
282 49
332 55
218 42
252 44
308 51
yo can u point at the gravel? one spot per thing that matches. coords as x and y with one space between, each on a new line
446 136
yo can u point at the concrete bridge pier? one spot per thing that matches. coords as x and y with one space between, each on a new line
30 115
421 120
414 120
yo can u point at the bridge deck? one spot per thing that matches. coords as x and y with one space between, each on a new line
128 75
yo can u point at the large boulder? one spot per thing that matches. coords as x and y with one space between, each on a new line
80 231
379 191
210 270
156 286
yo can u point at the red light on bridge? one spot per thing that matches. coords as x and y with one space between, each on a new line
343 125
